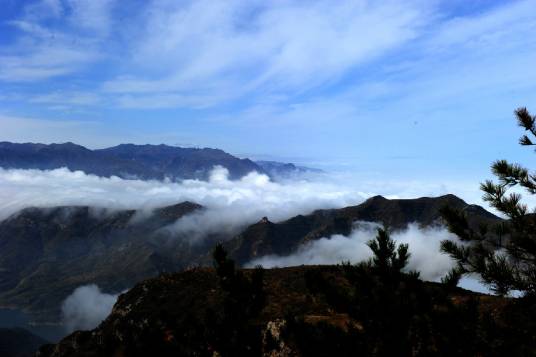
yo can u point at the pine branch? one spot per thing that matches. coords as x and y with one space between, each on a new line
453 277
457 223
525 120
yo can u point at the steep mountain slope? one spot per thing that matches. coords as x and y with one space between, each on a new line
46 253
126 161
282 238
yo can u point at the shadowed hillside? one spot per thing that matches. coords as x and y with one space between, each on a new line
265 237
17 342
46 253
309 311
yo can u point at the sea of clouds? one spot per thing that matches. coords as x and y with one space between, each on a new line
230 205
233 202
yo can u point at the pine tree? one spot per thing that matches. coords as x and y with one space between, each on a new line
244 298
388 260
505 255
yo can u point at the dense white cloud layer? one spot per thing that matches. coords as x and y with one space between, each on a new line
233 204
228 202
86 308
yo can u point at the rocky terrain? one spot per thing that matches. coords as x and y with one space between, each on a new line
308 311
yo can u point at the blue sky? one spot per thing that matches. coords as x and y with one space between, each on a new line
409 88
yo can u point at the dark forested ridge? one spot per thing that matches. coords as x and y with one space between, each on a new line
45 253
282 238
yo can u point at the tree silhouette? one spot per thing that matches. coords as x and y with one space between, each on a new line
244 298
388 259
505 255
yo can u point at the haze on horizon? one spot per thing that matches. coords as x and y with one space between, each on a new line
420 90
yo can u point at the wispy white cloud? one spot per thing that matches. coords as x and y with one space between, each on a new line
165 100
94 16
42 62
237 47
52 41
43 9
485 30
27 129
67 98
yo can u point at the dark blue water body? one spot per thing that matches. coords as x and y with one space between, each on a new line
16 318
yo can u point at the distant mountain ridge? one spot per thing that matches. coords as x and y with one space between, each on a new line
285 170
126 160
45 253
282 238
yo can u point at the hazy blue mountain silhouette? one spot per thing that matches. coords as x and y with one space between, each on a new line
125 160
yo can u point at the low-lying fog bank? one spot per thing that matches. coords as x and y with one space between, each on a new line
424 246
228 202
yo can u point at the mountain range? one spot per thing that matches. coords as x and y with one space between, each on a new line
129 161
285 170
45 253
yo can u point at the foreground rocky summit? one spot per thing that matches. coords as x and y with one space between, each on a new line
307 311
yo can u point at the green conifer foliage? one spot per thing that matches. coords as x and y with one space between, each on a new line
505 255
